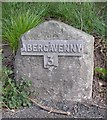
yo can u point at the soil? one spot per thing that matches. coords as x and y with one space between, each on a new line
98 109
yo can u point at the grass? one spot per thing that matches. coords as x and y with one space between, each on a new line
80 15
20 17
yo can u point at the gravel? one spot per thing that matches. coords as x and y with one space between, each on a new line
77 110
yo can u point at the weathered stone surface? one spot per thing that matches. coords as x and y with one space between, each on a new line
72 79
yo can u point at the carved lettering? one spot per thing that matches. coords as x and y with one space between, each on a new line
58 47
51 49
66 48
79 47
35 47
24 48
29 47
50 60
45 48
61 48
40 48
73 48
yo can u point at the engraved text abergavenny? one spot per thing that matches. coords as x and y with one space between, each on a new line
51 49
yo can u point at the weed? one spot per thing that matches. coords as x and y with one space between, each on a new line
14 95
102 73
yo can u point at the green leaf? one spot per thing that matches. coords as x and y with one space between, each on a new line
101 70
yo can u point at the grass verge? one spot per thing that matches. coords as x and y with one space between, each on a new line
20 17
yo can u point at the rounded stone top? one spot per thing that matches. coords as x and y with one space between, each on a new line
55 30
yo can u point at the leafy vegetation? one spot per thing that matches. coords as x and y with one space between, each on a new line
20 17
14 95
102 73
